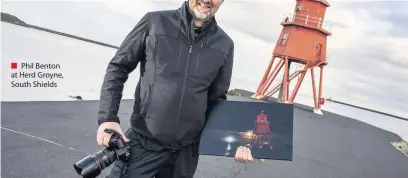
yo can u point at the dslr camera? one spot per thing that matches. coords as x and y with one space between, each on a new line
92 165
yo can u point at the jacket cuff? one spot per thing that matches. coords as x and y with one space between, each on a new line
101 121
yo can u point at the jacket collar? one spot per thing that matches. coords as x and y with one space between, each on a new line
187 16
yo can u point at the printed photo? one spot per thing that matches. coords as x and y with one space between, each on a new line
265 128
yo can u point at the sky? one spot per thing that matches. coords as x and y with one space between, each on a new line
366 51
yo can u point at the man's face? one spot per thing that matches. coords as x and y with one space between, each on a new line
204 9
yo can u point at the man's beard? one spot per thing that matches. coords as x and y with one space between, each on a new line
199 4
201 16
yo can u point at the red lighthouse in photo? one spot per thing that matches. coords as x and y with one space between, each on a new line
262 131
303 40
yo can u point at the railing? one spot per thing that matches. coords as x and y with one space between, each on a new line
276 84
307 20
293 67
298 70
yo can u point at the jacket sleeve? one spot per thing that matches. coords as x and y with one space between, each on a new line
126 59
219 88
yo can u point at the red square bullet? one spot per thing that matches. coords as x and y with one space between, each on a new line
14 65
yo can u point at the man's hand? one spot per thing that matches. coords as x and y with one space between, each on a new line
243 155
103 138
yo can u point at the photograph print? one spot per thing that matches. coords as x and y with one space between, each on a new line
266 128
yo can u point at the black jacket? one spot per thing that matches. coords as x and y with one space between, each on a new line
180 70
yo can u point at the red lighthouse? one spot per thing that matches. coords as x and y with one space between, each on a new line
262 131
302 40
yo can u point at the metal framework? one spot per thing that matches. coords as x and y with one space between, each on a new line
302 41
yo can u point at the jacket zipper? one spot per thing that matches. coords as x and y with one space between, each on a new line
184 81
182 91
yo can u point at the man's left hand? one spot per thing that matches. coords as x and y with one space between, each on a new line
243 155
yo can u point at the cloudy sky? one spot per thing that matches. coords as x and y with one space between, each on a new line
367 51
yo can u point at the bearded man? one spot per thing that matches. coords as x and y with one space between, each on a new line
185 60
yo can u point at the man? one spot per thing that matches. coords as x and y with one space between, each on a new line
185 59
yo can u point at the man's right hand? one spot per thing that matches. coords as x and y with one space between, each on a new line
103 138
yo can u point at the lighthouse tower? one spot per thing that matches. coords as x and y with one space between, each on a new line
302 41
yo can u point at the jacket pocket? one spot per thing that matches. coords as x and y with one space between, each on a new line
179 53
146 104
197 63
208 62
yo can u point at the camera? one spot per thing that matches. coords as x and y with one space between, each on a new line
92 165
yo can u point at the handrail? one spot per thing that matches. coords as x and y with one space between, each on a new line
279 81
307 20
292 76
279 85
307 15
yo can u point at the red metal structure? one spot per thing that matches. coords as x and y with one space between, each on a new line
262 131
303 41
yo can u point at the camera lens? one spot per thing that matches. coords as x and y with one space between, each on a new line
91 166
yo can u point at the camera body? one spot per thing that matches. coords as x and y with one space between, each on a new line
92 165
118 145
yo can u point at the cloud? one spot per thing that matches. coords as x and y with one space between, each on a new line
392 12
264 24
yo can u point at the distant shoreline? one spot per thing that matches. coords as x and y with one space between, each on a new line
8 18
238 92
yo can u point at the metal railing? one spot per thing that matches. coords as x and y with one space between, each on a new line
307 20
275 85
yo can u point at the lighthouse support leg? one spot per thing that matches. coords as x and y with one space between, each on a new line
316 110
288 86
263 82
267 79
285 81
320 88
281 90
273 75
296 89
